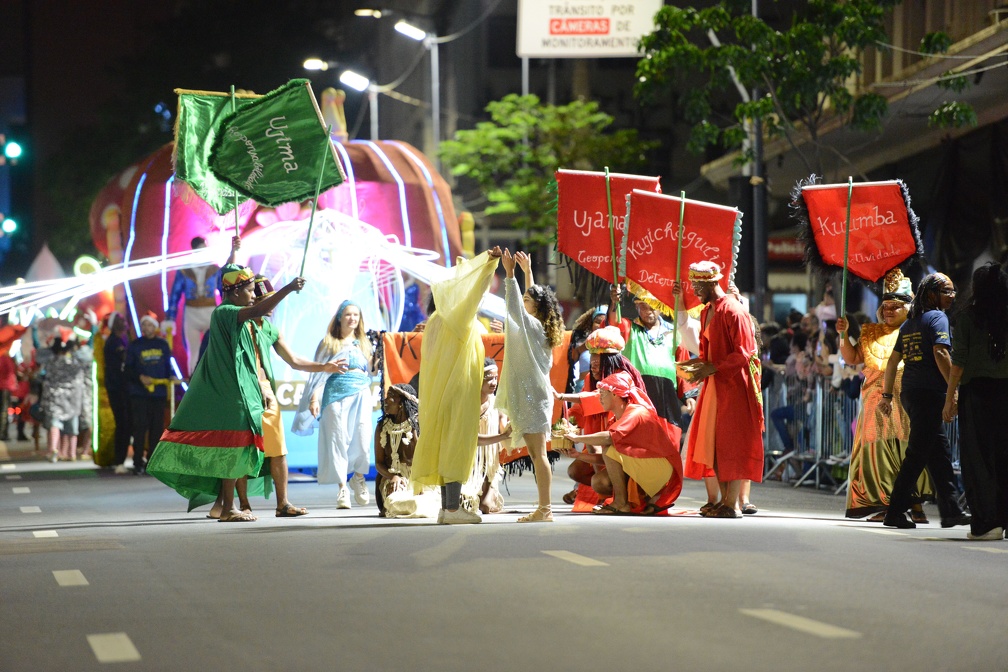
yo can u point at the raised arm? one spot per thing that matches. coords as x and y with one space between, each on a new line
525 261
262 308
301 364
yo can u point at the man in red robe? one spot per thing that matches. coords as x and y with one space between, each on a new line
727 430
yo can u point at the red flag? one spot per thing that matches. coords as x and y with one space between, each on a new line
582 215
881 236
710 233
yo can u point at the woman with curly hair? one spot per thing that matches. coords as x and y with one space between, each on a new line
531 331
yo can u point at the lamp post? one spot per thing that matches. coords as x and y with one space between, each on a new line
430 42
359 82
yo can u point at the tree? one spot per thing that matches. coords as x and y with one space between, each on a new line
513 157
803 71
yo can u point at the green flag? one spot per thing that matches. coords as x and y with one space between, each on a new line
196 127
269 149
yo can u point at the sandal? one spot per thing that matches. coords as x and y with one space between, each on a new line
749 509
708 507
542 514
569 497
877 518
648 510
290 511
605 510
919 517
724 512
239 517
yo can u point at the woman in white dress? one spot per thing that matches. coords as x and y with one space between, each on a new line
534 326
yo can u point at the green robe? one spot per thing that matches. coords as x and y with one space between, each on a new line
217 429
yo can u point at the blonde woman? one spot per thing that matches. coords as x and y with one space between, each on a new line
341 403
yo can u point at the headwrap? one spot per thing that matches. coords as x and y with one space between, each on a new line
897 287
605 340
343 306
622 385
406 390
704 271
600 310
234 277
489 363
263 287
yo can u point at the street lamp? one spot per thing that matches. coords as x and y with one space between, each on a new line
430 41
359 82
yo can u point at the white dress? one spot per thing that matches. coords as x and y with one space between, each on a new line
525 393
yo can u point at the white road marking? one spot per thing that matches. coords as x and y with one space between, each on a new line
8 467
30 509
69 577
986 549
45 534
113 647
21 490
802 624
13 477
891 533
576 559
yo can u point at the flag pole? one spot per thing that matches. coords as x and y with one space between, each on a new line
233 191
842 310
612 236
678 273
318 187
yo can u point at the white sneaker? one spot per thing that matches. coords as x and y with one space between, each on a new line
461 517
360 492
343 498
122 469
440 517
997 534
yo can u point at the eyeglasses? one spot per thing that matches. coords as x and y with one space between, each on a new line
948 291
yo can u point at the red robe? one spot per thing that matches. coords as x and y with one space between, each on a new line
642 433
735 431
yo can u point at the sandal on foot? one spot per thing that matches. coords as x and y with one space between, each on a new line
543 514
877 518
708 507
290 511
724 512
919 517
239 517
648 510
569 497
749 509
211 516
605 510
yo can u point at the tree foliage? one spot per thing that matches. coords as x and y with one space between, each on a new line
513 157
803 71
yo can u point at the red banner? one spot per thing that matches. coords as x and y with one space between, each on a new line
582 215
710 233
880 235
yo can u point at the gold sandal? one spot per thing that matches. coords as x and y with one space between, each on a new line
543 514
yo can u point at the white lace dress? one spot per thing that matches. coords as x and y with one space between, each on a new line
525 393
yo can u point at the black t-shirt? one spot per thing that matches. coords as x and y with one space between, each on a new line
115 359
917 338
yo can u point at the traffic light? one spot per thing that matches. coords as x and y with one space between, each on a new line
13 150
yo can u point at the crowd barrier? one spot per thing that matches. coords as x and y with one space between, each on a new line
820 421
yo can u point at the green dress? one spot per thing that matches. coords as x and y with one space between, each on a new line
217 429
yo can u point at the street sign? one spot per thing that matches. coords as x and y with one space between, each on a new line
583 28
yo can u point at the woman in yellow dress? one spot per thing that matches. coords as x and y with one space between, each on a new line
451 374
879 440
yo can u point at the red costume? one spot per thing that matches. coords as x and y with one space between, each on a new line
728 423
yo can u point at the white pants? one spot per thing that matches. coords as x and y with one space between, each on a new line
345 438
196 320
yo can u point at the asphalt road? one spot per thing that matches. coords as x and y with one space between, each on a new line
102 570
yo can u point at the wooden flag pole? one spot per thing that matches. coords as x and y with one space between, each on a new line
612 236
678 273
318 187
842 310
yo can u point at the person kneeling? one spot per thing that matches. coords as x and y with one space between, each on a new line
641 445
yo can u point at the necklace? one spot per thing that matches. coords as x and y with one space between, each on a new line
394 434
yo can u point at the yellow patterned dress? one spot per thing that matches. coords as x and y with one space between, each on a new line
879 440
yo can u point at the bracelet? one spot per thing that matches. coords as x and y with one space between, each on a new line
886 395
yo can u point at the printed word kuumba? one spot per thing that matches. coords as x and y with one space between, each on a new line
866 220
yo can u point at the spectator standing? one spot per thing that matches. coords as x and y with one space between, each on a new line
148 359
62 397
116 386
980 370
8 386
